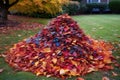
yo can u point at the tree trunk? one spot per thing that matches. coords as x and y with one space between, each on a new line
4 15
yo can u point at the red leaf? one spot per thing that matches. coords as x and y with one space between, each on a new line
79 78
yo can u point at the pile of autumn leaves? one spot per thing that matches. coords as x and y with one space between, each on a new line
61 49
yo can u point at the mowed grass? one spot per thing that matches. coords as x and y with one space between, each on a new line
105 27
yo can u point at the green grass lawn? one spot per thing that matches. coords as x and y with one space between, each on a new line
105 27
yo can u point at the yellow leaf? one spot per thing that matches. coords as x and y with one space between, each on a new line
36 63
38 73
54 60
43 64
63 71
91 70
73 72
46 50
75 63
91 57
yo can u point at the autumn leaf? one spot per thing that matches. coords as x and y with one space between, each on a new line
2 55
36 63
54 60
63 71
46 50
76 55
1 70
105 78
79 78
114 74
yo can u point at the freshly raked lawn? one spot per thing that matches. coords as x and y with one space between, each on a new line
105 27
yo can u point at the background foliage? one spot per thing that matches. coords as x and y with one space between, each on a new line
115 6
39 6
72 8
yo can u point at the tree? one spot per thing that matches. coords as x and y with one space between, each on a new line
4 6
38 6
30 6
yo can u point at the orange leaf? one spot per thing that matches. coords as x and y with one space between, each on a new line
107 60
54 60
46 50
73 72
36 63
38 73
75 63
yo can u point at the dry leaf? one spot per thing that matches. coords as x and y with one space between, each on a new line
46 50
54 60
2 55
63 71
105 78
79 78
1 70
114 74
61 49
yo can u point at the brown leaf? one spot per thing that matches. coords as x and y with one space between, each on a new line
2 55
114 74
117 64
1 70
79 78
105 78
117 57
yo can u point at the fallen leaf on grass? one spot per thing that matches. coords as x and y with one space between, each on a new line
119 45
2 55
50 53
118 36
117 65
114 74
1 70
105 78
117 57
19 35
79 78
100 27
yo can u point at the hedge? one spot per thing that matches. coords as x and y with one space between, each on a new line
101 6
72 8
114 5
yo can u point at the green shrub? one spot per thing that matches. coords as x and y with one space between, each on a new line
101 6
77 0
37 15
72 8
42 15
114 5
83 8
